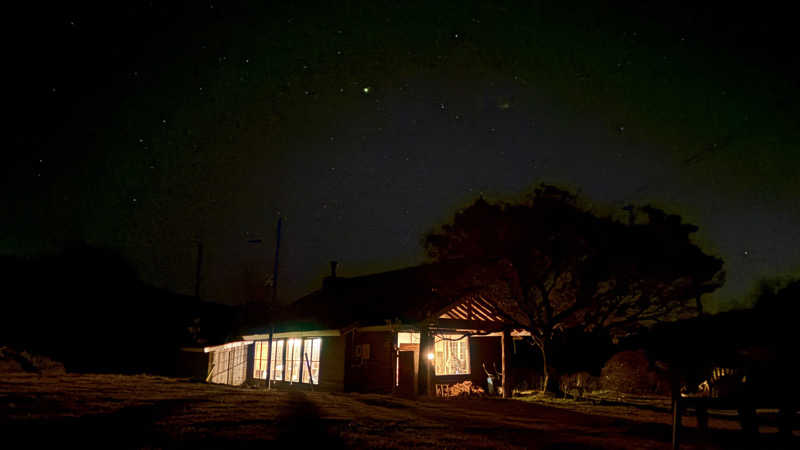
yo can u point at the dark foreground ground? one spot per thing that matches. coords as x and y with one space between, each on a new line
116 411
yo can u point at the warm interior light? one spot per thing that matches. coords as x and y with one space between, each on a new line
430 356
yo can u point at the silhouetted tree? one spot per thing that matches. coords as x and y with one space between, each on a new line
772 321
778 297
563 266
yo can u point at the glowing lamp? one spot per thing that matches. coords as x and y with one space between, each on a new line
430 356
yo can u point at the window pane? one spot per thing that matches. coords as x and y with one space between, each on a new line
293 359
239 368
260 360
277 360
311 350
451 355
407 338
218 366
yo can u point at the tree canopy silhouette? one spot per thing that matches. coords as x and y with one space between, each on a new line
564 266
774 316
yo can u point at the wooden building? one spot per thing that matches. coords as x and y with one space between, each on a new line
410 331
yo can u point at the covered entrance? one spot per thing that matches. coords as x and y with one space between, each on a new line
452 347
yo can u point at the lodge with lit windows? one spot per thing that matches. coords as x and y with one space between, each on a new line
408 331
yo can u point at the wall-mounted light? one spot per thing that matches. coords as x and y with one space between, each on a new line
430 356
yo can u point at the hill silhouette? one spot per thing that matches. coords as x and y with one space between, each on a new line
87 308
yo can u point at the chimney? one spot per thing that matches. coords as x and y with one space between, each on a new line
329 281
333 268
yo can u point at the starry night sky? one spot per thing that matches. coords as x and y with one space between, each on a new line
145 126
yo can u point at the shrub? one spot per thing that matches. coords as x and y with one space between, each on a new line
13 361
631 372
525 378
576 384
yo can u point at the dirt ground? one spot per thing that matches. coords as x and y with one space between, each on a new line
118 411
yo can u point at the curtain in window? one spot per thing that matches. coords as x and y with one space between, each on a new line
451 355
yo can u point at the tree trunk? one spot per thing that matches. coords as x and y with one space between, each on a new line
549 383
699 304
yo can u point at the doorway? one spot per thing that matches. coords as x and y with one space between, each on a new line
407 363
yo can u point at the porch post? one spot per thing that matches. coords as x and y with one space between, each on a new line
506 343
424 376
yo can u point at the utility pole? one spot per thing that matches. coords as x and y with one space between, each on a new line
198 269
271 307
275 267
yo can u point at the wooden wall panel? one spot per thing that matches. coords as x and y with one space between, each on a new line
332 363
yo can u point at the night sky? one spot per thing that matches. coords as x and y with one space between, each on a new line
145 126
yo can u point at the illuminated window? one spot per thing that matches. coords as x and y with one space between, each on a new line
219 364
239 366
451 354
288 359
293 359
407 338
311 349
277 360
260 360
229 364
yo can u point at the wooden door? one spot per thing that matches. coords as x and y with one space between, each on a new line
405 373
